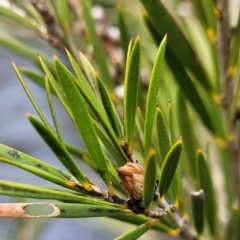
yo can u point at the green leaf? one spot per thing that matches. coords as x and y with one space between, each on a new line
110 110
91 98
185 83
20 18
171 122
23 50
152 95
205 10
162 134
59 92
38 110
187 132
234 105
137 232
64 15
24 159
235 45
87 81
51 106
99 54
125 38
140 128
198 210
110 147
162 22
83 121
232 227
80 154
140 219
60 151
43 173
205 181
36 77
89 73
31 191
58 210
150 174
131 84
169 167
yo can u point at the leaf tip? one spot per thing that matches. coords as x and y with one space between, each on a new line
54 57
14 65
199 151
67 52
151 152
111 189
180 140
27 115
144 12
118 6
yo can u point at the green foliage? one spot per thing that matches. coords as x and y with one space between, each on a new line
144 144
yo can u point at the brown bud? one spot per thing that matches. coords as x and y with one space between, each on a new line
132 177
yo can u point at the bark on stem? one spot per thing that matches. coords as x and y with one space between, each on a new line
223 42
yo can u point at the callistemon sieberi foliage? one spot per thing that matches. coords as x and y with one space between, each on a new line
144 146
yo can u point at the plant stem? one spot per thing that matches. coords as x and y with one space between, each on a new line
178 221
223 40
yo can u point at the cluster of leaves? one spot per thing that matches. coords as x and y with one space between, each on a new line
114 130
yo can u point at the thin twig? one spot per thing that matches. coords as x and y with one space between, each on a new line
223 40
177 220
53 36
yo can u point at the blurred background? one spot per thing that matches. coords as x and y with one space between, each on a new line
17 132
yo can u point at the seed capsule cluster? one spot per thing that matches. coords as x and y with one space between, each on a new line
132 177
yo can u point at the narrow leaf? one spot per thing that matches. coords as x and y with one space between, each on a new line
150 174
162 22
198 210
232 227
33 75
87 81
152 95
110 109
80 154
24 159
206 184
171 123
162 134
31 191
83 121
137 232
89 73
52 109
140 219
109 145
56 87
125 38
185 82
58 210
97 46
43 173
38 110
93 99
23 50
169 167
186 127
64 15
18 16
140 128
131 92
60 151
